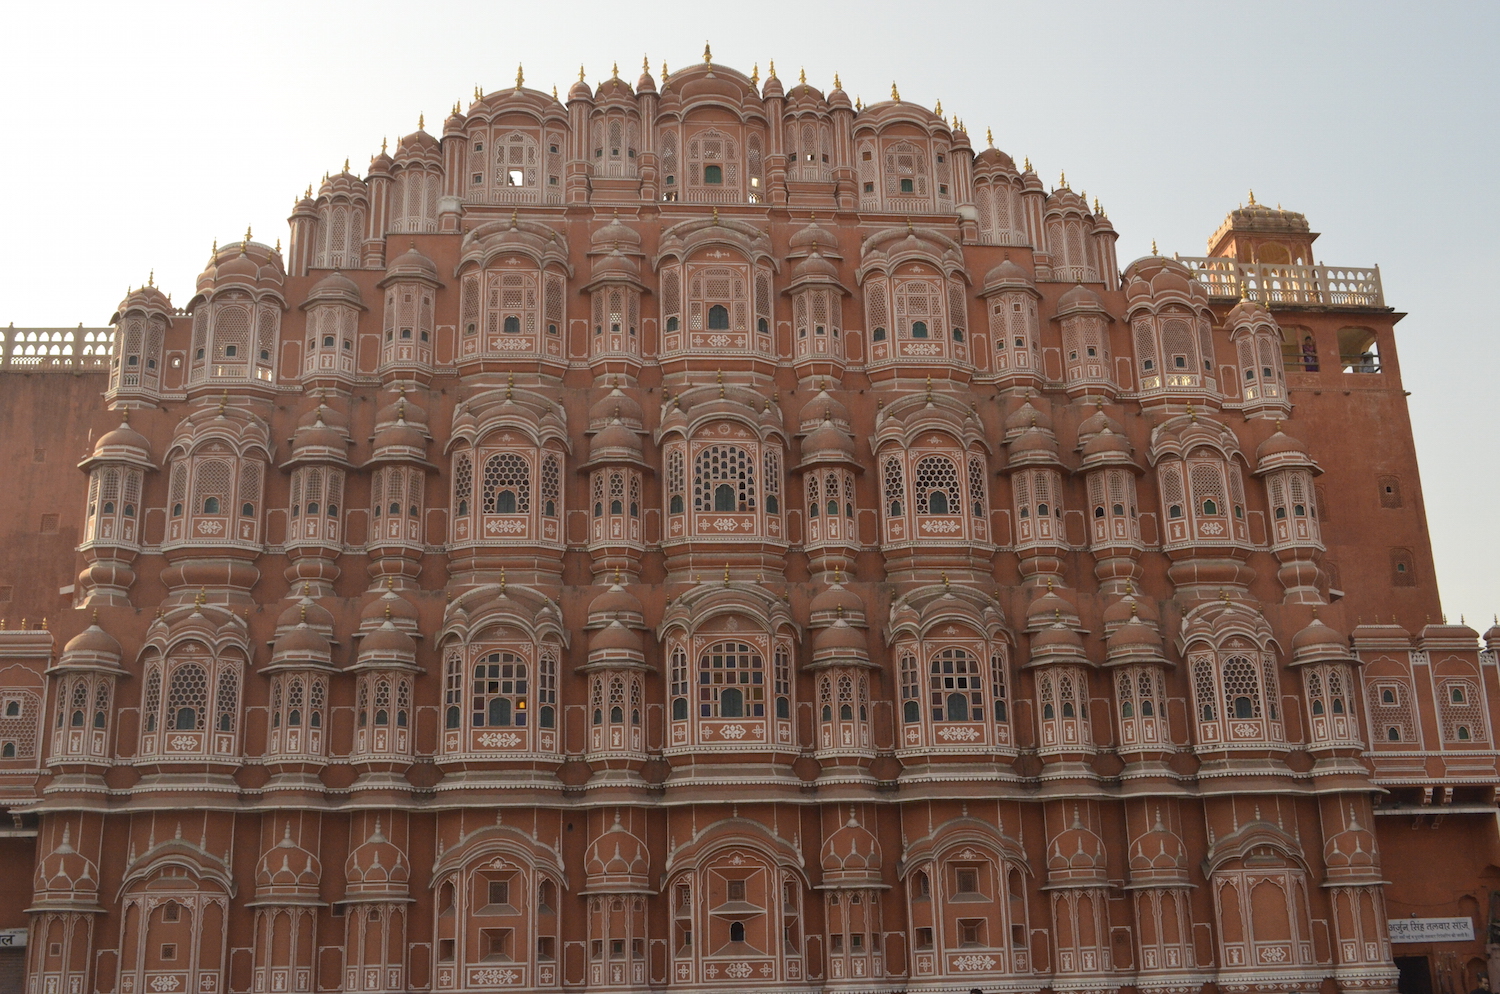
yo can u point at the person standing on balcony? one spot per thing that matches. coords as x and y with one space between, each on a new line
1309 354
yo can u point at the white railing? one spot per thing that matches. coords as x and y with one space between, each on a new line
1336 286
56 348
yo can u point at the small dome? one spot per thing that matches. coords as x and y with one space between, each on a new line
815 268
615 235
812 238
305 610
66 872
1351 850
287 868
1106 447
1057 643
319 436
617 856
93 644
1027 416
616 638
1097 422
851 852
616 604
1279 444
1077 853
1080 298
616 404
840 638
376 867
1319 643
402 408
580 90
389 605
1031 442
1007 274
122 441
335 287
400 437
827 442
835 602
387 645
823 407
412 264
1132 640
616 443
1050 608
1158 852
302 644
616 266
1130 606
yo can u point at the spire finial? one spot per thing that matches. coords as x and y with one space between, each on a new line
580 72
772 71
836 84
1062 180
1153 247
151 279
895 93
989 138
346 164
664 74
520 75
755 75
708 55
1028 164
421 121
646 64
726 574
802 76
614 70
1252 198
938 109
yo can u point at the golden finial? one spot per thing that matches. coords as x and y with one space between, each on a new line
1028 164
223 401
716 215
989 138
554 91
664 75
802 76
201 596
614 71
755 75
2 624
580 72
346 164
1244 290
838 575
421 121
1252 198
708 55
1096 206
836 84
895 93
151 280
1062 180
278 246
1153 246
726 574
502 580
859 103
1192 414
44 623
646 64
938 110
520 75
946 585
772 71
1224 595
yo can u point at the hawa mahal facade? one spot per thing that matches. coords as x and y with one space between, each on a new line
712 533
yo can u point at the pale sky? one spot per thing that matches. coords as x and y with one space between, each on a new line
143 132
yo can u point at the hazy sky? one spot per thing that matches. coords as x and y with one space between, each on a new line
152 129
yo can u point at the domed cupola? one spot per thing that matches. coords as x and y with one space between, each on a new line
287 874
1158 855
1027 416
616 604
65 876
301 647
92 648
616 861
811 239
834 603
1076 856
305 610
122 445
1057 644
1052 608
616 645
851 856
376 870
1128 607
1318 643
1352 853
1134 642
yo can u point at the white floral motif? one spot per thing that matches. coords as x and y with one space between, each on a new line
165 983
684 971
494 739
1245 730
961 734
929 525
920 348
182 743
210 527
1273 954
1212 528
710 971
974 961
739 971
733 732
765 969
496 527
492 976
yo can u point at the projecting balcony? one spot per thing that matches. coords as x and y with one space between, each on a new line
1271 283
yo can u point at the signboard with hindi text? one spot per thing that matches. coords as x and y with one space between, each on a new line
1432 929
12 938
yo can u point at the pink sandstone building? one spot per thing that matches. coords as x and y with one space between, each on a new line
714 533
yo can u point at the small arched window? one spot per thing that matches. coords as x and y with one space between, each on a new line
718 318
715 175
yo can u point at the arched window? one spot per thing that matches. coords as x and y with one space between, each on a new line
500 691
724 475
936 486
507 485
731 682
955 686
895 487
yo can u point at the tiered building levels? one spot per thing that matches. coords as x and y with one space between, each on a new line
713 532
